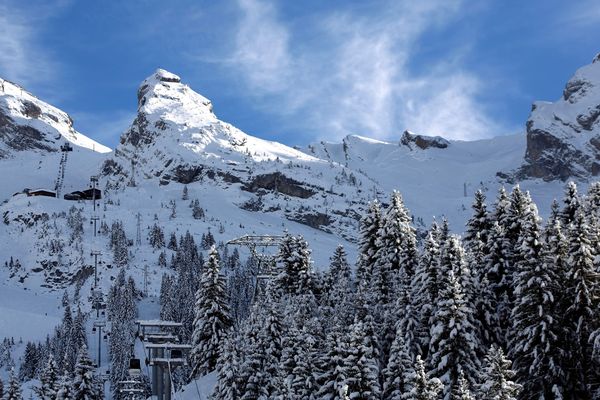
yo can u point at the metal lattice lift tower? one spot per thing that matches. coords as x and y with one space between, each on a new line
266 264
62 166
164 352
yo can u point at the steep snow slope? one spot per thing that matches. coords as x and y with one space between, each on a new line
432 179
31 133
176 139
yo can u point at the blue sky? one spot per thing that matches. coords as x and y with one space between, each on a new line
300 71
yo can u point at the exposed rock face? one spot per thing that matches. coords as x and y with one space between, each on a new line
280 183
27 123
423 142
563 138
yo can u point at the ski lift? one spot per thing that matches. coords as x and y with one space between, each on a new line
135 368
66 147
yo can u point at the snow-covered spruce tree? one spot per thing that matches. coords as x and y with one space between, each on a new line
84 383
332 368
212 320
536 328
485 299
65 388
571 204
156 237
338 269
119 244
592 204
361 365
454 342
501 208
49 381
338 292
461 390
423 387
13 392
398 369
296 276
497 377
30 362
424 289
228 384
406 313
261 351
172 245
298 365
581 299
478 224
496 274
367 244
396 253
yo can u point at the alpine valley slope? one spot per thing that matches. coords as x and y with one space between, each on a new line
244 184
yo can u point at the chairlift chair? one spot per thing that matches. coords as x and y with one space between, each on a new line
135 367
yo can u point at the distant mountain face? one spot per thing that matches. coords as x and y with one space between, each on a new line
563 138
28 123
176 139
247 185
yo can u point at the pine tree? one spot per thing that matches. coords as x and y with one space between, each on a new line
296 275
49 381
485 302
453 340
397 251
30 362
185 194
397 372
212 319
156 237
84 385
497 377
461 390
423 388
497 284
262 352
479 223
581 297
298 364
333 369
424 289
65 389
571 203
536 329
361 365
14 387
228 384
172 245
338 269
367 244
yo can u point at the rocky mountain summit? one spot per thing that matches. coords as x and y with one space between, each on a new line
563 137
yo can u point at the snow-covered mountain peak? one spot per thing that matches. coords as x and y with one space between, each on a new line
28 123
164 96
563 137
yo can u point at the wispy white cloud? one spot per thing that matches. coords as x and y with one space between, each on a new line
357 78
262 50
22 58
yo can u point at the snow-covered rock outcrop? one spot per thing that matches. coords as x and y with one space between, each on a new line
563 138
177 139
28 123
